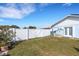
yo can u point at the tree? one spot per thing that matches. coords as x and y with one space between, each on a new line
24 27
14 26
32 27
6 34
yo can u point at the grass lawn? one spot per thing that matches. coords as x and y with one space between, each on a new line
46 46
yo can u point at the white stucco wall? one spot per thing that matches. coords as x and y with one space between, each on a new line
59 31
76 31
74 23
67 23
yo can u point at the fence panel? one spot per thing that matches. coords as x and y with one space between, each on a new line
25 34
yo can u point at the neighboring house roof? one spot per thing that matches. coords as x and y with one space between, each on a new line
72 15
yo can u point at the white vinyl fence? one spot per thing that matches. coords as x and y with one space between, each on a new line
25 34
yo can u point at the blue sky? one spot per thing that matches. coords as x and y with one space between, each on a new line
35 14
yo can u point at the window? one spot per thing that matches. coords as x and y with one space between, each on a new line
65 30
68 31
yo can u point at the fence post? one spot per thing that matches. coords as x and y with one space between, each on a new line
28 33
15 34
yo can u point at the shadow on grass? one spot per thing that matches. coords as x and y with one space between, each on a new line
12 45
77 49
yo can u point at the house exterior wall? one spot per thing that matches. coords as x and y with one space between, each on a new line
74 23
58 31
76 31
67 23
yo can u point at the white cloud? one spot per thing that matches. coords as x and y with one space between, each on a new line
67 4
27 8
11 11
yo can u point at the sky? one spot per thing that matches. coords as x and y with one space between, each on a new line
35 14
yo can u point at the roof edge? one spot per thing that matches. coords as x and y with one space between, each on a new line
60 21
71 15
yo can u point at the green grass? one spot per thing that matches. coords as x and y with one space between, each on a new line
46 46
